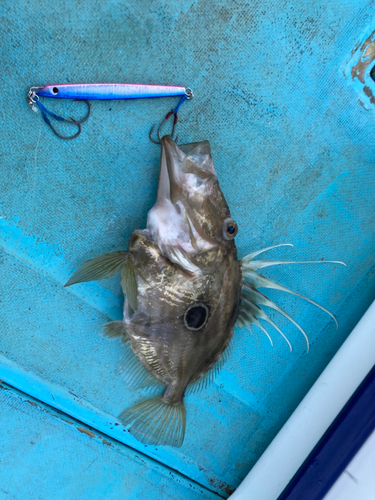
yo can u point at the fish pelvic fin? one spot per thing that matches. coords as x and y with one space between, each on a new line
135 374
115 329
156 423
99 268
250 313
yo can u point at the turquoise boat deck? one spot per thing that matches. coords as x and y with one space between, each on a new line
294 155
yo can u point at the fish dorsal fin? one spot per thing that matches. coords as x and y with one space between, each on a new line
250 313
207 378
135 374
99 268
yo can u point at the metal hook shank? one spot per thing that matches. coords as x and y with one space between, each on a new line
161 125
73 121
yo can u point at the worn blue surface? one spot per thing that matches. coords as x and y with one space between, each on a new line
52 456
359 67
295 158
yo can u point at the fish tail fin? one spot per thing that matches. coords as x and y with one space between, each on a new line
155 422
99 268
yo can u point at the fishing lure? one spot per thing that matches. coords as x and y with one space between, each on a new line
103 91
185 291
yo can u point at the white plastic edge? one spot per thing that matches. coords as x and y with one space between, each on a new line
286 453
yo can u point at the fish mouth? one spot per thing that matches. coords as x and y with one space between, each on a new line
187 217
177 164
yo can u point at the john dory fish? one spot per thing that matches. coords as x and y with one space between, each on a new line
185 290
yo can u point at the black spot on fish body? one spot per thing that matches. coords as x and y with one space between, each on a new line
195 316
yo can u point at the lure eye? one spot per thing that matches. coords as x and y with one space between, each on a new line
195 316
230 229
55 90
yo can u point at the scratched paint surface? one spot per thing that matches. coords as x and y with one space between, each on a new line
52 456
294 156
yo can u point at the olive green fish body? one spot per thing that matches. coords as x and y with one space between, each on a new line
163 336
185 290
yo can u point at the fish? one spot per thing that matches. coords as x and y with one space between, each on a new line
185 290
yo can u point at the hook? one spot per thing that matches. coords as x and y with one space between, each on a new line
174 113
73 121
162 123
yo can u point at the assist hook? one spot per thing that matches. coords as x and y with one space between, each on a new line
188 95
34 99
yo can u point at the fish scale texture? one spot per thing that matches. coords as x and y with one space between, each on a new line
294 156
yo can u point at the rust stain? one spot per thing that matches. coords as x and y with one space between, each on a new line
367 57
46 411
60 418
107 442
222 486
369 94
31 403
86 431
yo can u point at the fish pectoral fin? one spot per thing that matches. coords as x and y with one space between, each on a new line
99 268
115 329
129 283
155 422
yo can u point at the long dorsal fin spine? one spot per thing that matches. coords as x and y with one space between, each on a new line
250 313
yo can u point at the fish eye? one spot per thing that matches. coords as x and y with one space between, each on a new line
195 316
230 229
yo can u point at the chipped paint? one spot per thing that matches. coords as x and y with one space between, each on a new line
86 431
48 451
358 69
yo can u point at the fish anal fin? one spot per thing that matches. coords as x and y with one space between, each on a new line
209 377
156 423
135 374
99 268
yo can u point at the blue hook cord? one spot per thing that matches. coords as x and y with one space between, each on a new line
77 123
183 99
173 112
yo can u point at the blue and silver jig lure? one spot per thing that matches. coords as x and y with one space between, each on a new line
103 91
